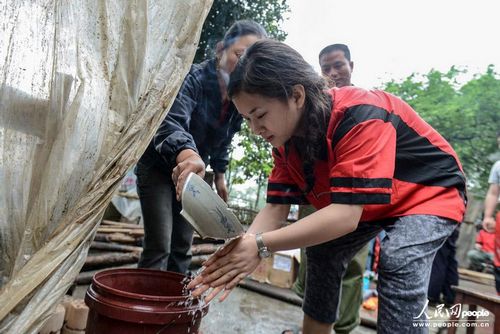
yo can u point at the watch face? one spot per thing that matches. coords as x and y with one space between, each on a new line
264 253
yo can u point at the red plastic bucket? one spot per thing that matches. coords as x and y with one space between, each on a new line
141 301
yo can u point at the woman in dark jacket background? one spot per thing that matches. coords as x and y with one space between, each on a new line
197 131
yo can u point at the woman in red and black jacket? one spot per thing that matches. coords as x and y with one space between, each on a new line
367 162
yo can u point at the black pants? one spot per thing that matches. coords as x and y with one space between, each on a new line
444 272
167 235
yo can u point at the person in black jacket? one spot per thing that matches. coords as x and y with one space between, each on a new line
197 131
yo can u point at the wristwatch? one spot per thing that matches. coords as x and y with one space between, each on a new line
264 252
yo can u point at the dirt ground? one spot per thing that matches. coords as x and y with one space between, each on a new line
252 313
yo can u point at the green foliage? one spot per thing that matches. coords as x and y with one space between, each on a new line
257 158
223 13
255 164
468 116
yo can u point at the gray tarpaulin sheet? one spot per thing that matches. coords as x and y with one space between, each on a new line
83 86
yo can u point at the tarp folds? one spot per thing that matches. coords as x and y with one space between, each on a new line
83 86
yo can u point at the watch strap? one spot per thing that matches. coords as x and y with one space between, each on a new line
260 241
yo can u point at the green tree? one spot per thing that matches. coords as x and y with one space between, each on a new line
269 13
467 115
255 164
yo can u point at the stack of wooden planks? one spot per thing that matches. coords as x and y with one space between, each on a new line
119 244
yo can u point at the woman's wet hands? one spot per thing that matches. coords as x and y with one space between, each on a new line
226 268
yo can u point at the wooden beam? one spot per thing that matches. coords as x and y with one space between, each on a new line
134 232
116 237
477 277
110 259
120 224
111 246
204 249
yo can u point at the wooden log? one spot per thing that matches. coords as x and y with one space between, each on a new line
120 224
116 237
111 246
85 277
110 259
272 291
113 230
136 233
204 249
198 240
133 232
197 260
127 195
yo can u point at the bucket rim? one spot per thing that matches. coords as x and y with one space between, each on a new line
137 271
93 299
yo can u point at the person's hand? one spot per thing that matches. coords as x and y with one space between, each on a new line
187 161
220 186
226 268
489 224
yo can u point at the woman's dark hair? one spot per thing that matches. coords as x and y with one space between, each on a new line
271 69
242 28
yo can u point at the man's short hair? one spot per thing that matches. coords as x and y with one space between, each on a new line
335 47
